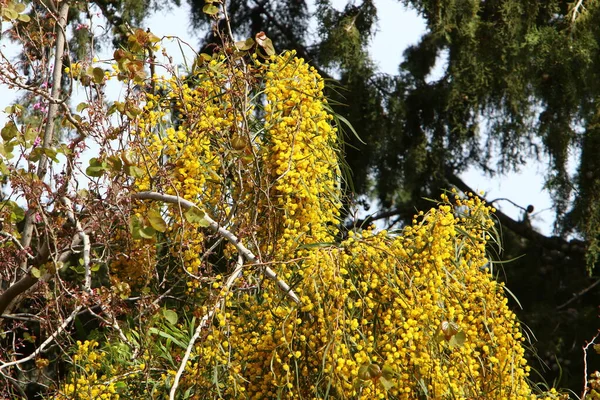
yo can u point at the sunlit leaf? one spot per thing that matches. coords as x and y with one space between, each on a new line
245 45
196 216
9 131
134 171
156 220
170 316
35 272
210 9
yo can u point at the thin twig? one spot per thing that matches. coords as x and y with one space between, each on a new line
85 239
43 346
585 373
17 243
578 295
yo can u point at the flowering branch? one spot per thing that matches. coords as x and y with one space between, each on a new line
248 255
238 269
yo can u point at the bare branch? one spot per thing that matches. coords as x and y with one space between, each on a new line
46 343
85 239
17 243
578 295
575 11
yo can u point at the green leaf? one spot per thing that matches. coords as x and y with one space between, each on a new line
9 131
24 18
82 106
3 168
147 232
245 45
168 336
196 216
96 168
210 9
268 47
98 74
139 231
115 164
170 316
35 272
19 7
17 214
386 383
458 340
30 133
51 153
156 221
349 125
10 14
135 226
134 171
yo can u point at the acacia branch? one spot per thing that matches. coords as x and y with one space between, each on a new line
247 254
188 351
573 247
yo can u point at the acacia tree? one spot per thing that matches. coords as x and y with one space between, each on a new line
518 85
205 256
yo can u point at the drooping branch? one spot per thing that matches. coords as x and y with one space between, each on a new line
248 255
203 322
573 247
